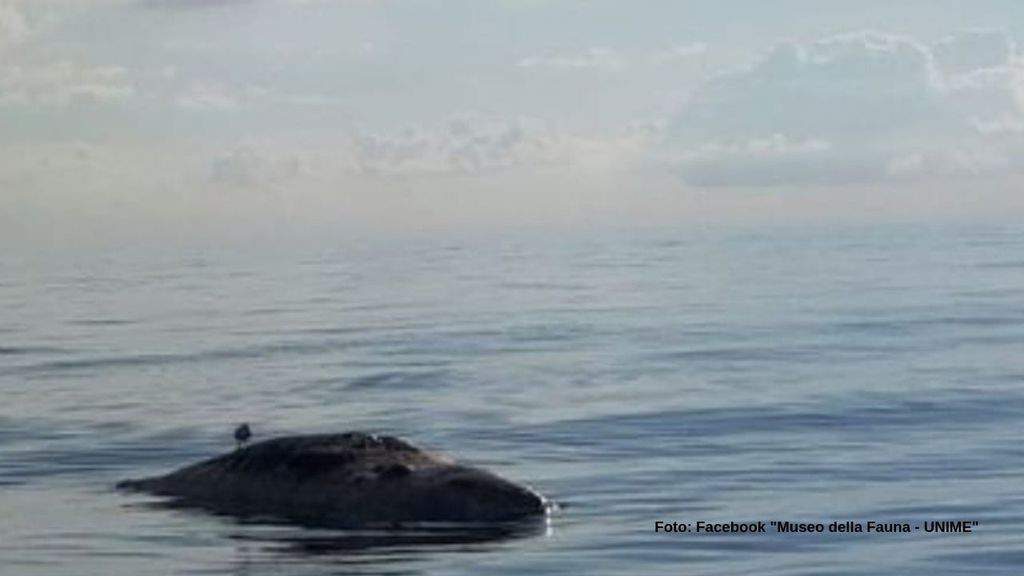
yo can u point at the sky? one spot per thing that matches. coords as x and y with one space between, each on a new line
126 121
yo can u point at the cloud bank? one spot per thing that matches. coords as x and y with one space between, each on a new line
861 107
472 144
62 83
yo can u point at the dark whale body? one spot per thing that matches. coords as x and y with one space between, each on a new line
345 480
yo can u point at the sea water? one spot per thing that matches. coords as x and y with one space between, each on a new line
721 376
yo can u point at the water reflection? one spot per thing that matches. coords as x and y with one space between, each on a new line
351 543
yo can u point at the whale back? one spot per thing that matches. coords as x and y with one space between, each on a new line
351 478
304 457
298 459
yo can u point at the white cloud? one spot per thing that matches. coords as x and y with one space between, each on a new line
975 159
777 159
777 145
972 50
13 24
1004 124
679 52
466 143
244 166
212 96
473 143
591 58
203 96
888 106
602 58
62 83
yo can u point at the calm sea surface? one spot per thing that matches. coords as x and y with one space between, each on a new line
857 374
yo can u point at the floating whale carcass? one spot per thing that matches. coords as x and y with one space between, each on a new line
346 480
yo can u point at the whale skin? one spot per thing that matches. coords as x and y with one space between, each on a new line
352 479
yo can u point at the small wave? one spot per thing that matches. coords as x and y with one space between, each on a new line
1000 265
162 359
540 285
397 380
977 561
871 416
24 350
62 448
101 322
771 355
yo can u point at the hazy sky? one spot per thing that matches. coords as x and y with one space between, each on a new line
151 120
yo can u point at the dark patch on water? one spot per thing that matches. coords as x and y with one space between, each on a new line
398 380
29 350
101 322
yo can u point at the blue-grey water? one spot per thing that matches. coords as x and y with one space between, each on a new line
871 373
